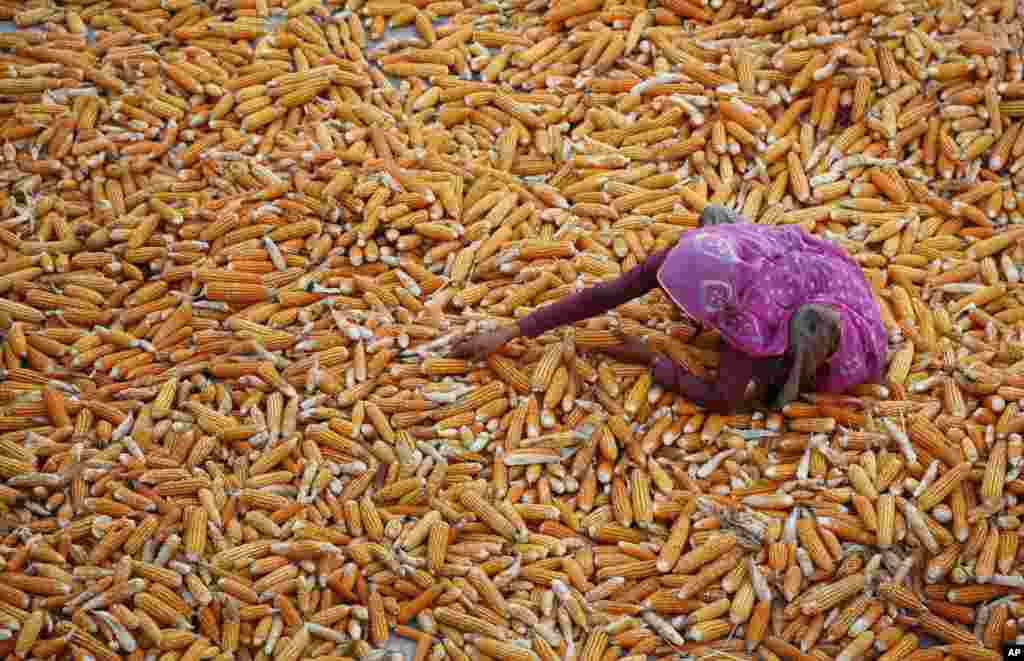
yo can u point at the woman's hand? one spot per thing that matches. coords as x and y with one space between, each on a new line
479 346
631 350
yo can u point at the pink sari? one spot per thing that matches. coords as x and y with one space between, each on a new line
748 280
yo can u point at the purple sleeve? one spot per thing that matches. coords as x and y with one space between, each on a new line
735 370
595 300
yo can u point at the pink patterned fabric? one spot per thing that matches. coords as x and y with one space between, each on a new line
747 281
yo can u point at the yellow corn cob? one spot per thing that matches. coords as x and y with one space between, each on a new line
812 543
444 366
899 367
556 388
995 474
820 599
901 596
29 633
467 623
524 294
974 652
742 604
943 486
501 650
545 369
924 434
20 311
489 515
903 647
710 550
709 630
637 396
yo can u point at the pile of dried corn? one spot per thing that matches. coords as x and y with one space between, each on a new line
233 252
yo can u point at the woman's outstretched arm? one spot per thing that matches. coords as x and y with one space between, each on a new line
576 307
596 300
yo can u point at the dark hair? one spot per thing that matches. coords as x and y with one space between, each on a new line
810 323
813 337
717 214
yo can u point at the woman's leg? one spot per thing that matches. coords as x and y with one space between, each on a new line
770 378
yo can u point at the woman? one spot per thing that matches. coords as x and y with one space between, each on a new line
794 311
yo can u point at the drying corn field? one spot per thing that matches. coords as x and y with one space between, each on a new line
237 238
